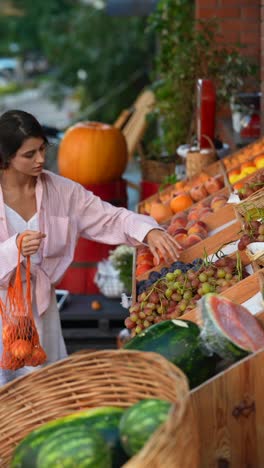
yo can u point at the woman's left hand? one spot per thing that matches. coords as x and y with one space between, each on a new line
162 244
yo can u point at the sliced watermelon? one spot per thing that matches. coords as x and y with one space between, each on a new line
140 421
178 341
229 329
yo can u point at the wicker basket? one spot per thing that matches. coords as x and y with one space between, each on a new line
92 379
198 160
251 206
156 171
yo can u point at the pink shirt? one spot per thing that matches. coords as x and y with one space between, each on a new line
66 212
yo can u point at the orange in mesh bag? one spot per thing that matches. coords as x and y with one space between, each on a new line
20 338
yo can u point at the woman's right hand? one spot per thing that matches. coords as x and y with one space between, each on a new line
31 241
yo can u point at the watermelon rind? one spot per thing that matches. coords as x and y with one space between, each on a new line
179 342
140 421
105 420
215 337
74 448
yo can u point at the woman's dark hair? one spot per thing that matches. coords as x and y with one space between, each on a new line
16 126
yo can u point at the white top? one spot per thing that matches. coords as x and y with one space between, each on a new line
48 325
16 221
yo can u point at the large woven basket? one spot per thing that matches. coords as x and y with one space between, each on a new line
92 379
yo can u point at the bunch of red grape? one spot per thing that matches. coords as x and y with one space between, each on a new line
254 183
177 292
253 232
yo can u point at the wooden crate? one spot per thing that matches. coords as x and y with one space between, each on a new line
247 152
214 169
229 406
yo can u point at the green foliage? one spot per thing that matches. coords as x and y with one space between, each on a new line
112 53
189 49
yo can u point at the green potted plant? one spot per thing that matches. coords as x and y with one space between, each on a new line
187 49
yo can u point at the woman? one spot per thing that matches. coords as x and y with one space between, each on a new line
54 212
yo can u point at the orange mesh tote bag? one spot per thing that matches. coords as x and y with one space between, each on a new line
21 346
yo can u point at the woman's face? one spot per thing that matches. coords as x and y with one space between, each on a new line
30 157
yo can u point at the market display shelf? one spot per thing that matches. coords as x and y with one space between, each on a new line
247 152
213 170
226 217
206 247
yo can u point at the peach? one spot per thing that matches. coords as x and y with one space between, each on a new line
180 231
198 192
174 226
193 215
199 228
180 215
192 239
205 212
160 211
217 202
213 184
181 238
181 221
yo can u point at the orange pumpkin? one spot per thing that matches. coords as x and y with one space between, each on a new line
92 153
180 202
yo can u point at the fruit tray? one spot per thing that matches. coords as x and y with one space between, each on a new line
213 170
189 229
227 236
175 290
248 185
244 154
244 169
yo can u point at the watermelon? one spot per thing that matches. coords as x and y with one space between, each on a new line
179 342
140 421
105 420
74 447
229 329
